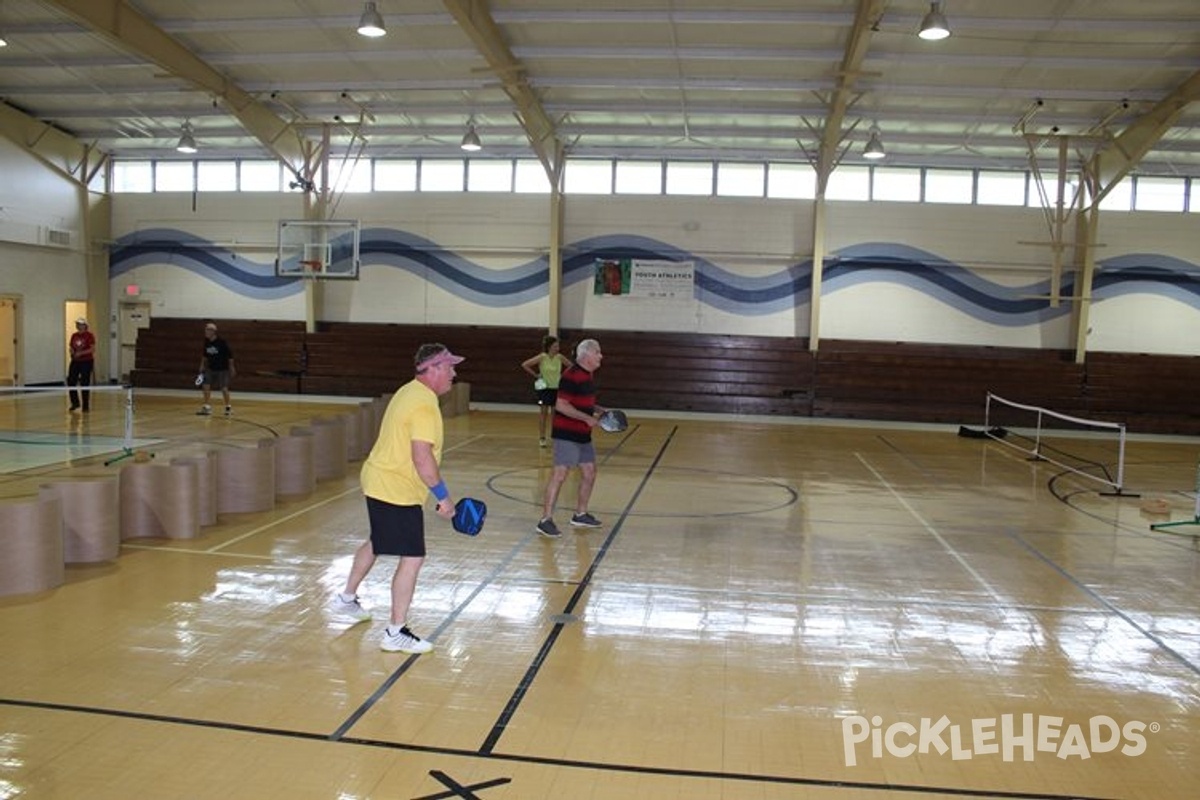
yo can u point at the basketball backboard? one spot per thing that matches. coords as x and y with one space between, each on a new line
318 249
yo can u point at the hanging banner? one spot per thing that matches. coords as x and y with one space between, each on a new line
661 280
612 276
664 280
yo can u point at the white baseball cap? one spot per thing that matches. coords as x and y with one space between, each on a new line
81 321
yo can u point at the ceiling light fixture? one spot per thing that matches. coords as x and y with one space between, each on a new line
371 22
187 142
934 26
470 140
874 149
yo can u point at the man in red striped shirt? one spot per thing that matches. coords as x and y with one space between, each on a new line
575 414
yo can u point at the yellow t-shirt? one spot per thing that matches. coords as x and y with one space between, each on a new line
389 474
550 368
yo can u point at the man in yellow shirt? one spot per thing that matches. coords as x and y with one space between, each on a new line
400 471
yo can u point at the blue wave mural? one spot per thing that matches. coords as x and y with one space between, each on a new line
776 291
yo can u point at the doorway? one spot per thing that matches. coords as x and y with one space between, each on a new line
10 339
132 317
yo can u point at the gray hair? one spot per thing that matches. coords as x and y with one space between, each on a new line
587 347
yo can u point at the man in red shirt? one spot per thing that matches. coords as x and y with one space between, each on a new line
83 358
575 414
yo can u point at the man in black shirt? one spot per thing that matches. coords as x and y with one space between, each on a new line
216 368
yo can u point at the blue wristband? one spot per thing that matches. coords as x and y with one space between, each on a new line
440 491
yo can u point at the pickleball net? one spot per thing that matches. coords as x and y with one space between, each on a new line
1092 449
38 425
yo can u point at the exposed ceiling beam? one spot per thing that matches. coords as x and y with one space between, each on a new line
57 149
844 96
134 32
1115 160
475 19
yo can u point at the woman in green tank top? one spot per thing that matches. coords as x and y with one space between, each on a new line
546 369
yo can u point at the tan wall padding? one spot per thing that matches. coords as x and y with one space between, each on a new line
367 429
91 512
353 436
246 478
457 401
329 447
206 472
160 500
31 546
379 406
295 470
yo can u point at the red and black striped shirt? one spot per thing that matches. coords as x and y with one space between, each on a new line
579 389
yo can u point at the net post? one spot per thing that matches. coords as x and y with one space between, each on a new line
1037 440
128 418
1121 461
127 444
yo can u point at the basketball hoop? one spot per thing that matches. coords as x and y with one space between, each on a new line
317 249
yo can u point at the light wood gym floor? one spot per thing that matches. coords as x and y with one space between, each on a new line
761 596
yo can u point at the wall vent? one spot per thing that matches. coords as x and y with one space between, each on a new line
58 237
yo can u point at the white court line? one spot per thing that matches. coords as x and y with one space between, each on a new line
273 523
185 552
217 549
928 527
306 509
465 442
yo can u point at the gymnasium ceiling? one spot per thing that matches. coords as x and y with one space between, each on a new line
686 79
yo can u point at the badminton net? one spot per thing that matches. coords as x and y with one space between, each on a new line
1092 449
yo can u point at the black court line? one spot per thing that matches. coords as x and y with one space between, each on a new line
518 695
1051 485
408 663
457 789
378 694
1120 528
1112 609
244 421
740 777
792 496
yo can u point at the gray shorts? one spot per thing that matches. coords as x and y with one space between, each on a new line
216 379
572 454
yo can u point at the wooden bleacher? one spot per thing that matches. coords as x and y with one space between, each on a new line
268 354
900 381
939 383
1149 393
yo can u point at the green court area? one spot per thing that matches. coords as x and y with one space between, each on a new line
23 450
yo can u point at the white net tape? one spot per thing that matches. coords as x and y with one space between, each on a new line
1091 449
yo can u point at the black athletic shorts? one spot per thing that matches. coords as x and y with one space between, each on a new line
396 530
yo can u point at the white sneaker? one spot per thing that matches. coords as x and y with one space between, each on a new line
351 609
205 411
229 411
403 641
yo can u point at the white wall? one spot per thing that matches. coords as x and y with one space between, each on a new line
894 271
34 198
